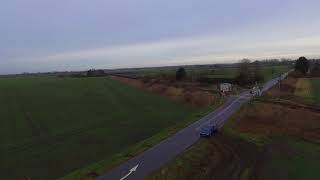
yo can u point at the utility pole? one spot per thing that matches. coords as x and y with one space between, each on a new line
272 70
279 87
280 83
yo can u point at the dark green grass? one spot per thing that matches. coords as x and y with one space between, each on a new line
293 160
104 165
51 126
268 72
316 90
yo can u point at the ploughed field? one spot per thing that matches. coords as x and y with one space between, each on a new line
51 126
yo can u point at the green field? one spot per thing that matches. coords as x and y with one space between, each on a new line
316 89
52 126
268 72
309 89
295 160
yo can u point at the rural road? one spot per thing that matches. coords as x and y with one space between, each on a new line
142 165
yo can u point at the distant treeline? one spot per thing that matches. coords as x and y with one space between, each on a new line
142 70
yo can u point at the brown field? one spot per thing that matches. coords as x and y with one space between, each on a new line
282 112
222 157
274 120
295 90
192 93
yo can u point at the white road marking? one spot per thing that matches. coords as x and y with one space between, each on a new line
130 172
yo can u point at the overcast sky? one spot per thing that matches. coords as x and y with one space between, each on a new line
43 35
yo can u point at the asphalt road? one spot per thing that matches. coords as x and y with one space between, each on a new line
142 165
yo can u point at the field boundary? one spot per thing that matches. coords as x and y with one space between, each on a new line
289 104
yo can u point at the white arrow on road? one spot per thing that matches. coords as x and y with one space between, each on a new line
130 172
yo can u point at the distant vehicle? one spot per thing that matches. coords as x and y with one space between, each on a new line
254 90
208 130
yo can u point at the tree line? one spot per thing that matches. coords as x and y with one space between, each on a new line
251 72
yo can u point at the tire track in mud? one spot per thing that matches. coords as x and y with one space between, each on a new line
36 128
228 166
222 157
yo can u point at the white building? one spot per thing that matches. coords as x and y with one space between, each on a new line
225 87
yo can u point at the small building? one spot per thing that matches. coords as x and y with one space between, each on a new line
225 87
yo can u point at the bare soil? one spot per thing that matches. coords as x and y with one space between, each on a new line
272 120
222 157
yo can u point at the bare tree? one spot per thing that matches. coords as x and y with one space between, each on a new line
257 73
244 76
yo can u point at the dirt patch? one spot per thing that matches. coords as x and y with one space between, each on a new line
92 175
199 98
272 119
221 157
192 93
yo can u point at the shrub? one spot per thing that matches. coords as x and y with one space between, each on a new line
181 74
315 72
302 65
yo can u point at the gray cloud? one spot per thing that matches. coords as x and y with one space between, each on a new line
73 35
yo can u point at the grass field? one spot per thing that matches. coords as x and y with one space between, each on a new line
51 126
293 159
309 89
316 89
268 72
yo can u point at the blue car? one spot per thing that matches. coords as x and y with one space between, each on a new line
208 130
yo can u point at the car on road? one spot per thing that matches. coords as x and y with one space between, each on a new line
256 90
253 90
208 130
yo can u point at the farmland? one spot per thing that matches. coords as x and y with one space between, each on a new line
208 71
199 88
54 126
269 72
275 136
316 89
309 88
51 126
